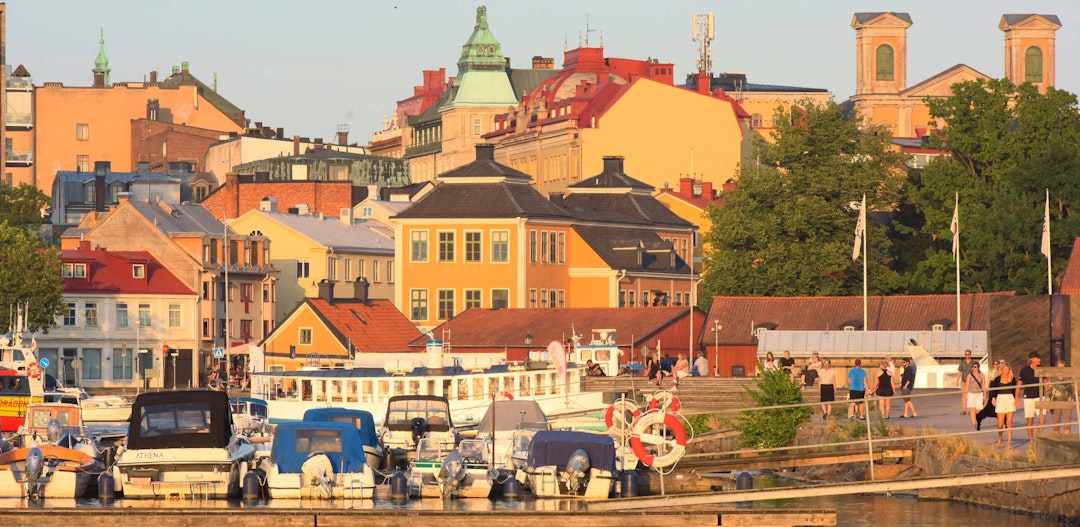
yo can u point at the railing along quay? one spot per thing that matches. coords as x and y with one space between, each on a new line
696 394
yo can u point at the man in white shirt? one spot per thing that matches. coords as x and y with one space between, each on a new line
701 366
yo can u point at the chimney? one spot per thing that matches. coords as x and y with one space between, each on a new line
232 179
346 216
295 145
326 290
184 66
707 190
361 289
175 70
143 167
153 106
101 170
123 197
543 63
556 198
485 152
279 133
613 164
686 187
153 77
268 204
343 137
704 82
729 185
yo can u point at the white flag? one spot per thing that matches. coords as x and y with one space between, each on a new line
860 230
955 227
1045 249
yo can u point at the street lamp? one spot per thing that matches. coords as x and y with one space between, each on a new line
716 346
225 231
138 367
138 322
528 342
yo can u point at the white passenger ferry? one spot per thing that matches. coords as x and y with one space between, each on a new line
469 383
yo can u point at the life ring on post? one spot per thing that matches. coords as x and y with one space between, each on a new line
676 447
618 410
33 370
664 401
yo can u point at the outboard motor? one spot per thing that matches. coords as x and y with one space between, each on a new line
577 471
419 428
35 466
452 473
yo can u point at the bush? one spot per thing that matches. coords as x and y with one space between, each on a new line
774 427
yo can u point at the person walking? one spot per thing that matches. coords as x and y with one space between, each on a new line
827 378
857 391
1065 392
961 380
907 383
883 388
974 388
1032 393
1003 394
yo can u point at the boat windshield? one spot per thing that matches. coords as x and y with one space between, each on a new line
403 411
188 418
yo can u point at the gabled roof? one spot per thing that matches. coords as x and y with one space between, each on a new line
620 248
185 218
1016 18
375 326
1070 279
943 81
184 78
864 18
611 178
505 328
614 197
363 235
741 315
110 272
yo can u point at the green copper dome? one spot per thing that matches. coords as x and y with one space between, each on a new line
482 51
101 63
482 79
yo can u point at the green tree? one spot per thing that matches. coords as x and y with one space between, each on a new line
772 427
1008 144
21 206
788 229
29 275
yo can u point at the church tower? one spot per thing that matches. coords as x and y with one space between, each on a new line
101 65
880 52
1029 48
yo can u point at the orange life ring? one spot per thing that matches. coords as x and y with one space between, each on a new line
678 448
33 370
671 400
622 406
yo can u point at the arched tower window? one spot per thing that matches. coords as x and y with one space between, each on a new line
1033 65
885 66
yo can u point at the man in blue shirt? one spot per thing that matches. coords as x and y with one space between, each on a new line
857 391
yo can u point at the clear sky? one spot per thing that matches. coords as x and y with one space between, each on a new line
310 66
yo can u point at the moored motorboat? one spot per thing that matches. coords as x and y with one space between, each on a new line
182 444
45 470
570 464
410 418
17 391
363 420
318 460
461 472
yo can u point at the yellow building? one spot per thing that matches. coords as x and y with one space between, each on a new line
882 96
312 248
485 238
691 202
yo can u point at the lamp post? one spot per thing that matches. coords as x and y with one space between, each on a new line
225 232
138 367
528 342
716 346
138 323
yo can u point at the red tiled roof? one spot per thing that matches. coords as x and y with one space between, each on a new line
110 272
1070 281
700 201
739 315
373 327
506 328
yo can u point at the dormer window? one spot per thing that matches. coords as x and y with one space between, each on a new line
138 271
74 270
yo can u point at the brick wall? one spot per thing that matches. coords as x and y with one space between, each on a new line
327 197
161 143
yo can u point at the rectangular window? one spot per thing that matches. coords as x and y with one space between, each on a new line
82 132
446 246
472 246
174 315
418 299
82 163
532 246
206 329
544 246
562 247
472 298
562 298
206 290
631 298
74 270
374 270
622 298
221 328
477 126
446 304
678 298
532 297
500 298
138 271
500 246
348 270
552 256
123 362
91 364
331 268
390 271
305 337
552 294
644 299
418 242
303 269
121 316
245 330
91 314
685 252
144 315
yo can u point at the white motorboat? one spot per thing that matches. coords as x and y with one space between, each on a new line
45 470
570 464
318 460
461 472
182 444
101 409
410 418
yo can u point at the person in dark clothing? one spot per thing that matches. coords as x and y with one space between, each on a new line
883 388
1031 392
652 369
907 382
593 369
788 365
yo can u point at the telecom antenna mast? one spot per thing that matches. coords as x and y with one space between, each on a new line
703 35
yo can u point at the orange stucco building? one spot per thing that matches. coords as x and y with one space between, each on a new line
882 95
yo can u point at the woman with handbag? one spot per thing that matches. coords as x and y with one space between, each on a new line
973 387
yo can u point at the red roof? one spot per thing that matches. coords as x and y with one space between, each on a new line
1070 281
375 326
740 316
111 272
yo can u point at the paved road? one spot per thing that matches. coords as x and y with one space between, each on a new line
940 410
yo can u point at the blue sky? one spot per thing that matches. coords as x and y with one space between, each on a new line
309 66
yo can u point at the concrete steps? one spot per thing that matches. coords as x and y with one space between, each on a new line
723 395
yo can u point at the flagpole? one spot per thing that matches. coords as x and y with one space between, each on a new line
956 254
1046 246
865 311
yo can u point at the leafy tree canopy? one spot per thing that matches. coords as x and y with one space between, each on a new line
29 275
21 206
788 228
1008 144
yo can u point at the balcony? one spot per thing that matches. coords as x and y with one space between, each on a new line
19 158
23 121
19 83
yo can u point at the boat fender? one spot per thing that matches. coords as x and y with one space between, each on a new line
511 489
106 487
618 410
664 401
399 487
676 446
628 484
252 489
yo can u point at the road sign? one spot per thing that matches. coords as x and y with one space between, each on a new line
219 353
44 362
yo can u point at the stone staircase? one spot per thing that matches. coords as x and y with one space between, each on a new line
697 395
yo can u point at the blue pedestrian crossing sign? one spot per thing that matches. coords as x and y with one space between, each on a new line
44 362
219 353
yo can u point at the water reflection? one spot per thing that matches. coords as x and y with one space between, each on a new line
878 510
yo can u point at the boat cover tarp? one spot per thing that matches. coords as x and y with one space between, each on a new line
296 440
181 419
507 415
361 419
554 447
